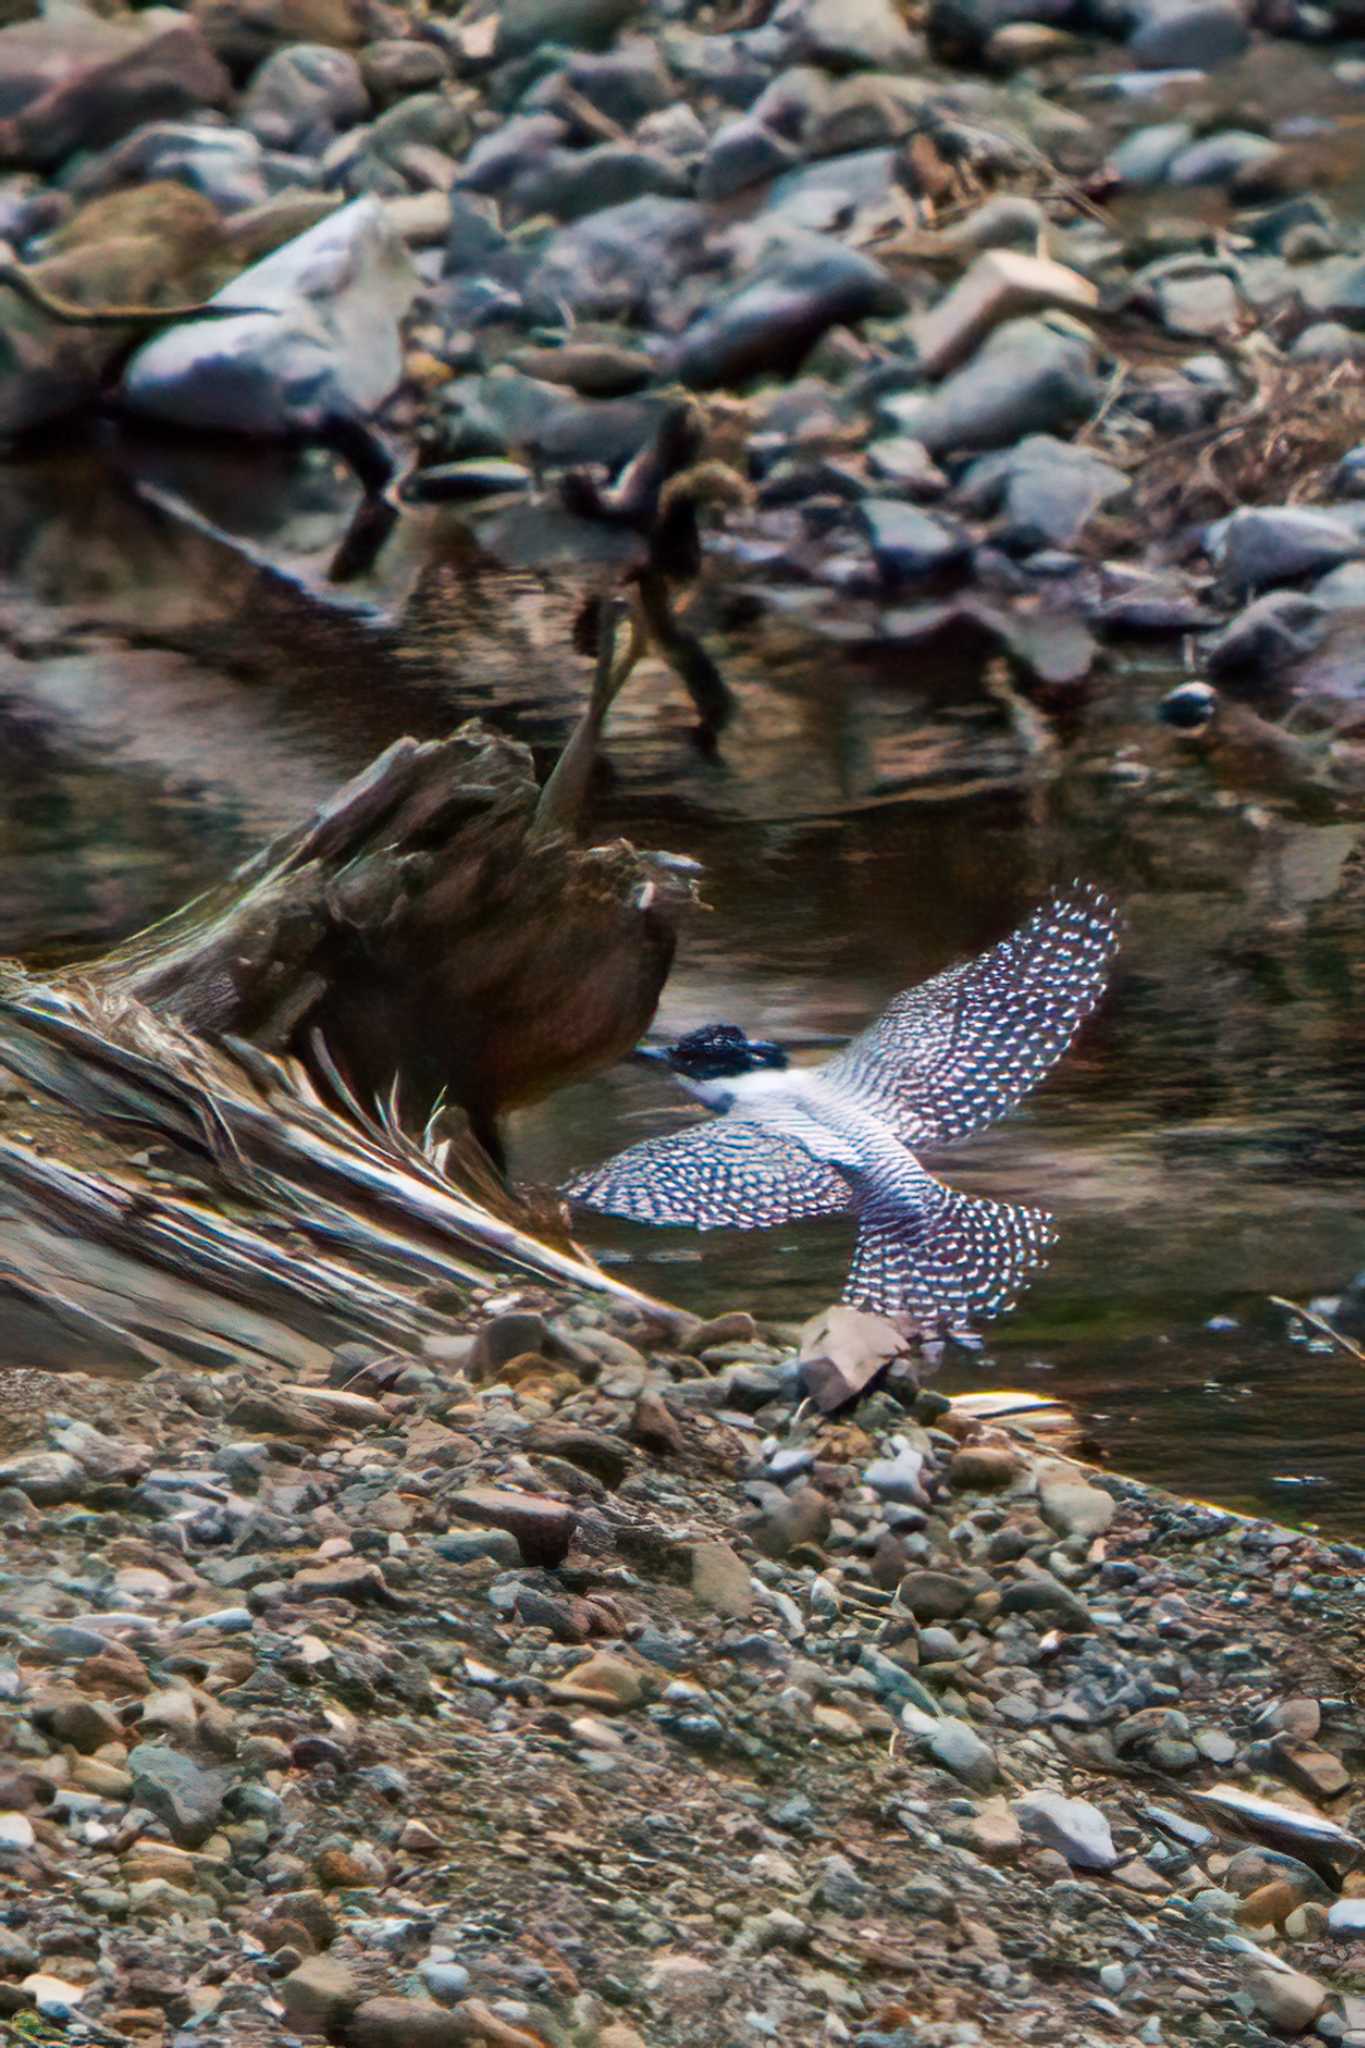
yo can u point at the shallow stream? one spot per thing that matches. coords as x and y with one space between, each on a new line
166 701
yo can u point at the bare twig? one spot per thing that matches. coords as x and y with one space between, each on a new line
1317 1322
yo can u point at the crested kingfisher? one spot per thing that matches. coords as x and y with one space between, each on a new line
942 1061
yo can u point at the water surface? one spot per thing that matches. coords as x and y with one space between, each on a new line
167 700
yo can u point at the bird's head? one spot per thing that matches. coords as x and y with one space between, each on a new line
710 1061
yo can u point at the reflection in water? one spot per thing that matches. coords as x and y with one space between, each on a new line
166 701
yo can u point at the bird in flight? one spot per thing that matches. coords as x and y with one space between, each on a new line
944 1060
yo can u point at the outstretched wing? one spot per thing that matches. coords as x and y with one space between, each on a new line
952 1055
964 1257
724 1174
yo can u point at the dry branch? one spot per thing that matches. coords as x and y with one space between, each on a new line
433 940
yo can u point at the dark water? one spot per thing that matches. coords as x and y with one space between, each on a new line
165 701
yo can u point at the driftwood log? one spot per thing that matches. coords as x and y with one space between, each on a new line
297 1043
434 924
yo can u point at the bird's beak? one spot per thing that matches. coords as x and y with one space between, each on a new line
656 1055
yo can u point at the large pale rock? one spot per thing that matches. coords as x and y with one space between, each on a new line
319 337
1002 284
1286 1999
1075 1827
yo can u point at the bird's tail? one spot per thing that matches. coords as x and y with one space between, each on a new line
967 1257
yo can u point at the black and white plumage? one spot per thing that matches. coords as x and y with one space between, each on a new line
942 1061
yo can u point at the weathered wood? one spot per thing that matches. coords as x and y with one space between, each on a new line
429 923
302 1039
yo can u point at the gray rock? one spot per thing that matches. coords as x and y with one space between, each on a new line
187 1796
226 164
898 460
1030 376
775 316
304 95
47 1477
1175 35
580 182
1008 221
840 1888
73 81
1269 634
626 83
327 341
1327 341
621 262
446 1981
504 161
1073 1826
473 237
419 138
908 544
1145 157
1263 545
676 130
319 1994
719 64
743 152
935 1596
959 1749
901 1476
1336 289
1048 491
103 1457
465 1546
820 195
1343 588
1218 159
1346 1920
1200 304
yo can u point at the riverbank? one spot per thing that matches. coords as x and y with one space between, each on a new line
563 1690
1025 330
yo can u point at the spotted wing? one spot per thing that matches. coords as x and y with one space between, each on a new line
961 1258
725 1174
952 1055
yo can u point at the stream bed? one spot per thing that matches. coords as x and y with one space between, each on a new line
170 695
